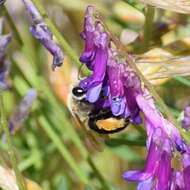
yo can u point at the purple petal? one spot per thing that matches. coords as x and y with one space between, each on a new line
135 118
98 71
149 111
93 93
100 37
186 174
186 119
156 119
43 34
154 153
88 35
115 83
152 161
117 105
186 160
127 112
32 10
4 64
103 100
136 175
4 72
164 172
4 42
178 181
145 185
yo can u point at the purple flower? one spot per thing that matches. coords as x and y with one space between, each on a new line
186 170
22 111
186 118
177 181
157 172
42 33
101 57
4 64
93 83
115 85
88 35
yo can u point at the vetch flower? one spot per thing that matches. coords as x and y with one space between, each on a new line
101 57
88 35
186 118
4 64
157 172
41 32
166 140
22 111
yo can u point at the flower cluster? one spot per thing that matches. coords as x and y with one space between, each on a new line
42 33
111 75
4 64
113 84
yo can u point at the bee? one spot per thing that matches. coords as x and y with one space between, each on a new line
100 120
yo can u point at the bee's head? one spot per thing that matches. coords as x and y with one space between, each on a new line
78 93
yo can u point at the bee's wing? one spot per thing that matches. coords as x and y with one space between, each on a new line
91 140
180 6
154 67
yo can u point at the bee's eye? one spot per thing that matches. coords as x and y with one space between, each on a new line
78 91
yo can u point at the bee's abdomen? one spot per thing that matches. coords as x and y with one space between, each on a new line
104 122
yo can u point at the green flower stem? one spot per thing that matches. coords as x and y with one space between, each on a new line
3 121
63 150
60 116
183 80
114 142
149 17
99 176
13 27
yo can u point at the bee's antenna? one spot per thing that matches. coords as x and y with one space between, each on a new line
79 72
